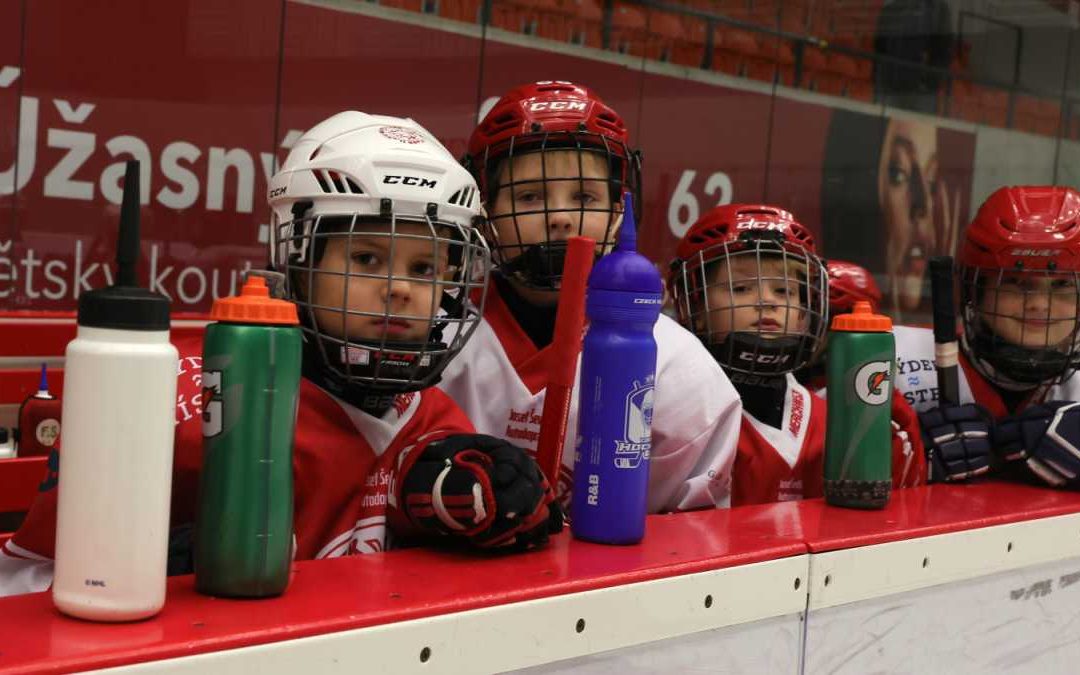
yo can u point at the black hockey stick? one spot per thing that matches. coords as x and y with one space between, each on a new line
945 345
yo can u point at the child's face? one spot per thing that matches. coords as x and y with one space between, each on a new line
1034 311
555 194
384 290
742 298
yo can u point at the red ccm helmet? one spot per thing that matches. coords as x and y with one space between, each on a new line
850 283
783 307
539 119
1019 270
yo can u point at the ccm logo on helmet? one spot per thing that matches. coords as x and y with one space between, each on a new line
556 105
764 358
1042 252
409 180
277 192
759 225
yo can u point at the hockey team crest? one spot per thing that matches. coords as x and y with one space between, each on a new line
872 382
402 134
637 426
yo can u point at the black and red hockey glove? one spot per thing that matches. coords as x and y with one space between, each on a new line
1046 438
483 489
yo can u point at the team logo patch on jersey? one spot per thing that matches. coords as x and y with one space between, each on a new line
402 135
872 382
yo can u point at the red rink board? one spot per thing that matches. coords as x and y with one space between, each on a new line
931 510
349 593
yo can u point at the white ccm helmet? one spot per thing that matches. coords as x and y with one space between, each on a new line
374 228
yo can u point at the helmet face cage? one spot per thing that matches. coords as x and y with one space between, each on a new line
754 351
439 328
519 254
1021 327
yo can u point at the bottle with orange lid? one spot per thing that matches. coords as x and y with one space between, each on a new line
858 433
250 390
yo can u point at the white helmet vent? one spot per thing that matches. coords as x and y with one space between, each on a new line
335 182
463 197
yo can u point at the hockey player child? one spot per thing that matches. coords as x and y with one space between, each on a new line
552 161
378 265
746 280
1019 306
849 283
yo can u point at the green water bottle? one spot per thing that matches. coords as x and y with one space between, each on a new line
858 433
250 383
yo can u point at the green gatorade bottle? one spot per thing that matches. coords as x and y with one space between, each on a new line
250 383
858 436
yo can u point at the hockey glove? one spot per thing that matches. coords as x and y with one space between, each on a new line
1047 438
483 489
957 440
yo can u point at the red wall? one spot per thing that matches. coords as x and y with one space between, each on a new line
206 94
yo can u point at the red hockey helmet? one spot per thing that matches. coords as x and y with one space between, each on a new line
533 114
1019 264
547 117
715 302
1025 228
849 283
737 226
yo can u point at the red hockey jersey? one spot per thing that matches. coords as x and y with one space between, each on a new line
788 463
345 463
782 464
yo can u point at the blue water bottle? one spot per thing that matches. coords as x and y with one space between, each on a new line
618 370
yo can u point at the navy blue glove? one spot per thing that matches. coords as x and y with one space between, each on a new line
1046 437
957 440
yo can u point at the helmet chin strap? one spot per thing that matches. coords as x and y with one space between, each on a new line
1011 366
540 265
757 355
394 361
379 369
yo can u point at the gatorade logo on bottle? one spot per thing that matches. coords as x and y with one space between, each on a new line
872 382
212 403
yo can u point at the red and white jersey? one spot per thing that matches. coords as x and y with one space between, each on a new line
345 465
782 464
916 377
500 379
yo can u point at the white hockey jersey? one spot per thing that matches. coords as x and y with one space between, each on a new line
500 379
916 377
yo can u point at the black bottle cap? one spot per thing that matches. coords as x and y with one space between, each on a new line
125 305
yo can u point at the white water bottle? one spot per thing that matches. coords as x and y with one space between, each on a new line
112 532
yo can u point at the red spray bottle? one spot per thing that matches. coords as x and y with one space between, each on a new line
39 422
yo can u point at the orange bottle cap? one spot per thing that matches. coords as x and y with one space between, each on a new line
254 305
862 320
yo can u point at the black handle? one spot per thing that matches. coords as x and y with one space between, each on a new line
941 291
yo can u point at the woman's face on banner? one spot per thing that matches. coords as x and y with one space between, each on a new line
907 187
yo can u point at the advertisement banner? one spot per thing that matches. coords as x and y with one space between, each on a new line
211 97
